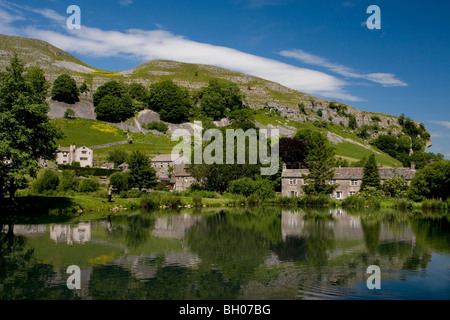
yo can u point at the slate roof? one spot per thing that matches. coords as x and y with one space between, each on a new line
355 173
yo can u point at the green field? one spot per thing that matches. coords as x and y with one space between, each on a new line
89 133
85 132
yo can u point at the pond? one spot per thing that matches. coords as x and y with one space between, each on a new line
237 254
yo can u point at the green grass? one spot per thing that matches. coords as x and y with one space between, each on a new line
356 152
86 132
148 144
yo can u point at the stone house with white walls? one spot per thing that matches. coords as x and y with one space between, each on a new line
68 155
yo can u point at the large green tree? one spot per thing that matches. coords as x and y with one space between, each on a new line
371 175
141 175
431 182
65 89
114 109
319 161
171 101
220 98
26 133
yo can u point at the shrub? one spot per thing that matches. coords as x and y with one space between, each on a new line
120 181
396 187
157 125
69 114
47 180
261 188
197 201
434 204
69 181
89 185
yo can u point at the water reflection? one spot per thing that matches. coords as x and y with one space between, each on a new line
267 253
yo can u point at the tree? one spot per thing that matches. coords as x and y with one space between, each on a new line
220 98
371 176
27 133
65 89
171 101
293 152
83 88
320 160
120 181
69 114
114 109
142 175
395 187
431 182
111 88
47 180
118 157
137 91
89 185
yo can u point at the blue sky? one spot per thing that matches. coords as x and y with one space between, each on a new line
320 47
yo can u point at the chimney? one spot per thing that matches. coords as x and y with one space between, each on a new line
413 166
284 167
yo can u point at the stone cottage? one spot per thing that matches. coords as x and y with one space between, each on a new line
349 180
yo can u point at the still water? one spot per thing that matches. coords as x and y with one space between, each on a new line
265 253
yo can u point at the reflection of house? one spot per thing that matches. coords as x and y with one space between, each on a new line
348 179
31 230
164 164
173 227
79 234
83 155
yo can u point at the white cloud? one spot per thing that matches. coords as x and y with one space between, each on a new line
442 123
385 79
160 44
126 2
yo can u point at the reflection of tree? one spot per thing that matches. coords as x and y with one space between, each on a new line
320 240
433 232
293 249
138 230
371 231
234 251
21 276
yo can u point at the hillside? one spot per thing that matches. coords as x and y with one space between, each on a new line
276 105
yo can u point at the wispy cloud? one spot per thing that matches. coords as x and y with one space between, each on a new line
385 79
442 123
126 3
146 45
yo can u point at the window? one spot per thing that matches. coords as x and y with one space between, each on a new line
292 181
352 193
186 180
293 194
83 152
161 164
354 182
339 195
333 182
83 159
65 155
